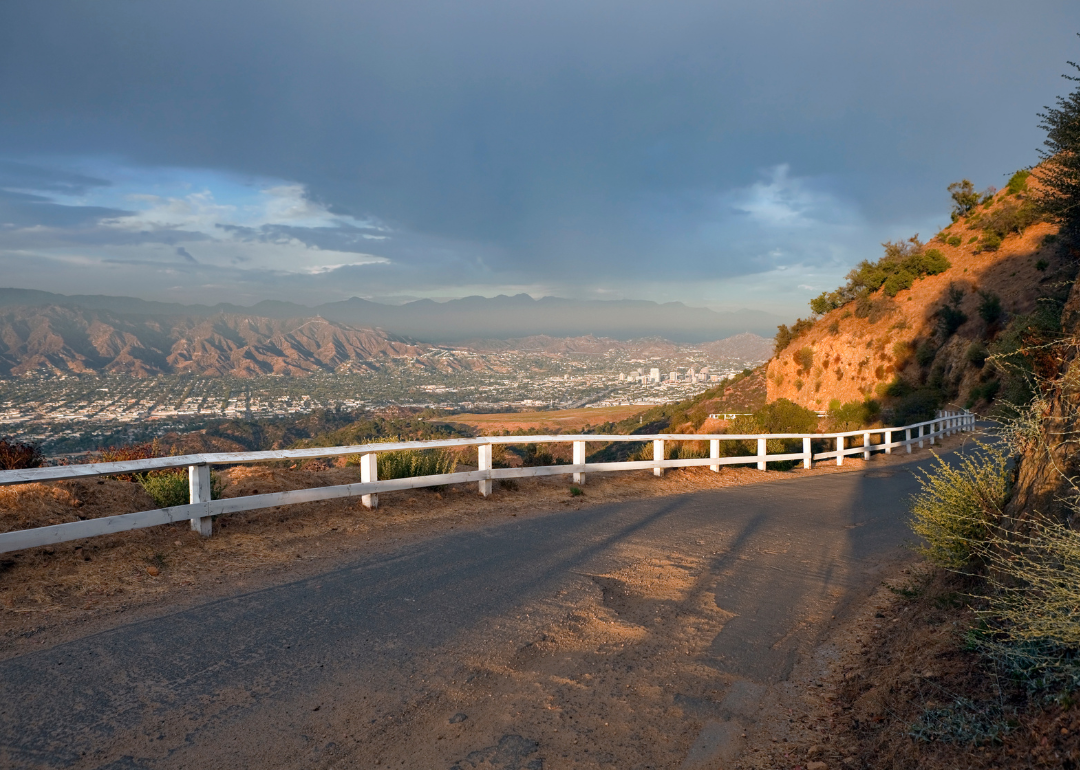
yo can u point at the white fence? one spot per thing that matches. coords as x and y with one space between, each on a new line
202 509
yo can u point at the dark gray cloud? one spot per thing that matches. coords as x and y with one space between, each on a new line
185 254
17 175
28 210
589 141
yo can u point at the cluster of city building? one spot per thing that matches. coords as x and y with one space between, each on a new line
654 377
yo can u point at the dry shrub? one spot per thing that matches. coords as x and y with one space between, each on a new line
1038 595
15 456
24 506
1032 608
959 506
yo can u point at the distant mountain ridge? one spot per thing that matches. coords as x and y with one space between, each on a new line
66 340
469 318
76 340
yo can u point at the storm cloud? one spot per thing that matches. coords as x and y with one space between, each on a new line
716 152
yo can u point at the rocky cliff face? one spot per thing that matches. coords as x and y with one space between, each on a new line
854 352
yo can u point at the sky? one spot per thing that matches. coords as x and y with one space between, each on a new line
722 154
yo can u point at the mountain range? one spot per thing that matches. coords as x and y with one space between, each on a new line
454 321
63 340
74 340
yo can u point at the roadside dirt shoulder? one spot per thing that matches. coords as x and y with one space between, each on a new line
898 687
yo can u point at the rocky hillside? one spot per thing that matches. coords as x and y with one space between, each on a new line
61 340
936 333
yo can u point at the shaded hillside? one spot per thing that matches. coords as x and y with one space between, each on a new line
60 340
932 338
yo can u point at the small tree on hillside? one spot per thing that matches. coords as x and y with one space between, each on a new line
1059 173
965 198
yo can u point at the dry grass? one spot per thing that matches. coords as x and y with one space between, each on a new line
556 419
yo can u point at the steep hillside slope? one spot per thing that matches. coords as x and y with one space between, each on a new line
883 345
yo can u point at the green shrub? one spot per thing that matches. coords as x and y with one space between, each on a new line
977 354
898 282
990 309
167 489
1017 182
954 240
854 414
406 463
834 327
984 392
959 505
1010 217
785 336
170 487
917 405
1041 265
973 239
949 320
950 316
804 357
925 353
990 242
904 262
1019 352
930 262
784 416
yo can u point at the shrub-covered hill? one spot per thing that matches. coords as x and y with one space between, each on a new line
914 329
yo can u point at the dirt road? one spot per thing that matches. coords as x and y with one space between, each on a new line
649 634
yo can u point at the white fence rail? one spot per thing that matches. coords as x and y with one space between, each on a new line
201 510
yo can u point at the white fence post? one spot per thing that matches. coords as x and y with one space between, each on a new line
839 450
933 432
922 432
888 442
369 471
761 454
866 446
579 459
807 455
907 440
714 454
658 455
483 452
199 490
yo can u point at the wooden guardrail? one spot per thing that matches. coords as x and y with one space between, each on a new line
201 510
